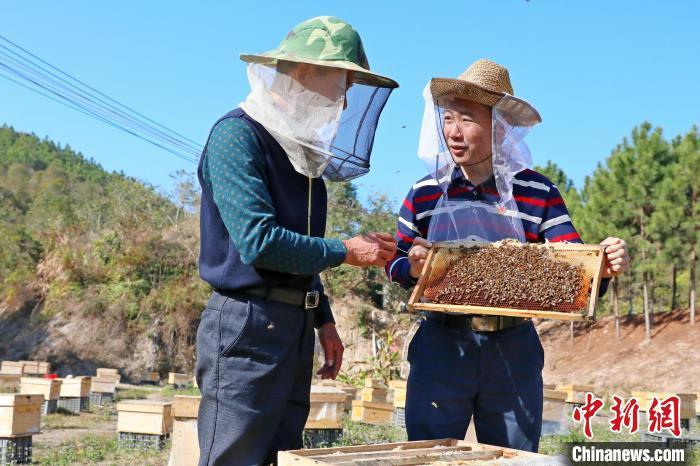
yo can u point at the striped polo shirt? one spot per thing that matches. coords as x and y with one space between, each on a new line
540 208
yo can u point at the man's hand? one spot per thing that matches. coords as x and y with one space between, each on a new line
332 351
370 249
417 256
617 260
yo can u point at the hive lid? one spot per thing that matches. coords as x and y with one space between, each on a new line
144 406
16 399
321 394
186 406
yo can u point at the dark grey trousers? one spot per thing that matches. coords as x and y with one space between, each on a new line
254 364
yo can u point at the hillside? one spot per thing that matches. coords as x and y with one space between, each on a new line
669 361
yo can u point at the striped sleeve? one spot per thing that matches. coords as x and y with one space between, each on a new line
397 269
556 224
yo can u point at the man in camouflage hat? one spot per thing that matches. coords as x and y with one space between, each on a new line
312 111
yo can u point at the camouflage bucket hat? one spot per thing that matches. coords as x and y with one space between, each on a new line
324 41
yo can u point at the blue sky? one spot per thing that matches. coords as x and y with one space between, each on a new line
593 69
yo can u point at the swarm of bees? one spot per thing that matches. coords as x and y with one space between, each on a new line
510 275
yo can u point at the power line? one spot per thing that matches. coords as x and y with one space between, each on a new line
85 111
85 101
25 70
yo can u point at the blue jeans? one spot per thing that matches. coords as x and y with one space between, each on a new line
254 364
496 377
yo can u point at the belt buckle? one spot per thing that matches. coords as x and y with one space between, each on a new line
311 299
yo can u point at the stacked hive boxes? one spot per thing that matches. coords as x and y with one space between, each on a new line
104 385
372 407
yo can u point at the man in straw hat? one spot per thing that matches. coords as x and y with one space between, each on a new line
312 111
480 188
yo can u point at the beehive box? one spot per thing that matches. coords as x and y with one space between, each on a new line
75 387
150 417
151 377
9 382
20 415
554 412
687 401
448 452
516 289
373 395
106 374
399 389
12 367
327 406
49 389
44 368
31 367
349 390
101 385
185 450
575 393
372 413
175 378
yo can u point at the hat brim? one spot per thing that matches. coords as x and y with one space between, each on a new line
362 75
521 111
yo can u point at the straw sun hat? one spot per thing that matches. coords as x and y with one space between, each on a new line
487 83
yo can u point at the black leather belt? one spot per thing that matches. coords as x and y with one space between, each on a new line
305 299
477 323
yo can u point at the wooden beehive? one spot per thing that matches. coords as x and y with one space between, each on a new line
12 367
151 417
575 393
113 375
588 258
44 368
554 410
374 395
327 407
50 389
447 452
687 401
151 377
399 388
175 378
20 415
185 450
102 385
31 367
373 383
349 390
75 387
9 382
375 391
372 412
